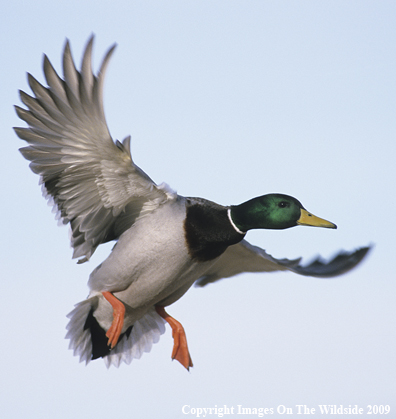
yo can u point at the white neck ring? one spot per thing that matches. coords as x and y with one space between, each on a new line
233 224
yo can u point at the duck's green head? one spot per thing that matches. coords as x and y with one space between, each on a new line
274 211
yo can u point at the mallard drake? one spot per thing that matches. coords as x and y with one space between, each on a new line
164 242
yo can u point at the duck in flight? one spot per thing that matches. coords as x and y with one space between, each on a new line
164 242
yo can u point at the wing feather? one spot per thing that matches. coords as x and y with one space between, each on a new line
90 179
244 257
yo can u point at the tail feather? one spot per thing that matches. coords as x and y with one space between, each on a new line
80 338
145 332
88 341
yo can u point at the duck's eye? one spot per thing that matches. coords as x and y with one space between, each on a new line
282 204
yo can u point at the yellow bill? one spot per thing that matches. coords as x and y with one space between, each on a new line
308 219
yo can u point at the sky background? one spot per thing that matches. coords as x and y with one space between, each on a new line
225 100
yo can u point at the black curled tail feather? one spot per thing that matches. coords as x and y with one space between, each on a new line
99 340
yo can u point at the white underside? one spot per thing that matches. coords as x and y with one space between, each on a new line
142 271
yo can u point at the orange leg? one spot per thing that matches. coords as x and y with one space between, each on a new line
118 318
180 349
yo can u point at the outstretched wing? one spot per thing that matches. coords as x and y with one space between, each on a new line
92 181
244 257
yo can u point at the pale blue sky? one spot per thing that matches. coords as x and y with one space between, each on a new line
226 100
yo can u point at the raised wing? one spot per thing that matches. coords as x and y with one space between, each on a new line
92 181
244 257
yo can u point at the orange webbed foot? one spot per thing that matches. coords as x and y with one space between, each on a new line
115 329
180 348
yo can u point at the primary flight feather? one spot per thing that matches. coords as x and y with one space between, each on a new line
165 242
